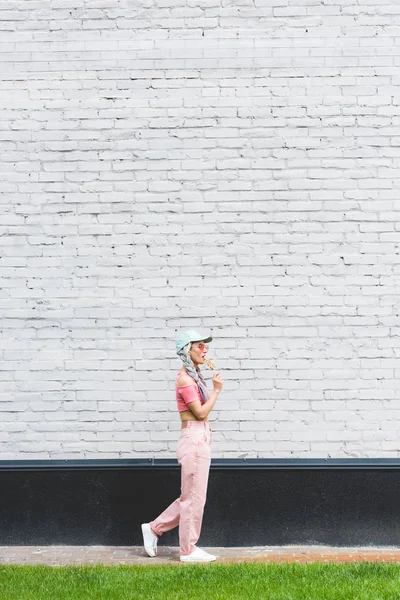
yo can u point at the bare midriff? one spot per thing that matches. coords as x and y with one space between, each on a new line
187 415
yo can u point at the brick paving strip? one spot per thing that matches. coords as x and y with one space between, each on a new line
135 555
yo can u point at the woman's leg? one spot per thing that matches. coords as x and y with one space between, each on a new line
168 519
195 462
194 456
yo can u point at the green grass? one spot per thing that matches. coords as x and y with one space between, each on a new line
245 581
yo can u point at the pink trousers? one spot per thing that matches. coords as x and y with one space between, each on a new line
194 457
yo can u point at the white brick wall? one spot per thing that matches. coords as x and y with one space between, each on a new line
231 166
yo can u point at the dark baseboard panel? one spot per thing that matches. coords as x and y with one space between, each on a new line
250 502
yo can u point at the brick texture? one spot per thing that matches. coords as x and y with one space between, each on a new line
231 166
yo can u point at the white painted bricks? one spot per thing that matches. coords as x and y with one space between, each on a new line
180 165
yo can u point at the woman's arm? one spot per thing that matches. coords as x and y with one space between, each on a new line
201 411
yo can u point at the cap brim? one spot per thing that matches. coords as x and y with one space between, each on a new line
209 339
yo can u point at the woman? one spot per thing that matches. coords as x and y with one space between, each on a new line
193 451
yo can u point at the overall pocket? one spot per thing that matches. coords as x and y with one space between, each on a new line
203 447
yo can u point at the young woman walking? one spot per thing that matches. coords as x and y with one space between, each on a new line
193 451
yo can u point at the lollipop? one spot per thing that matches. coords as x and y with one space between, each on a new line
210 364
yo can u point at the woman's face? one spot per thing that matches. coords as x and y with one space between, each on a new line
198 353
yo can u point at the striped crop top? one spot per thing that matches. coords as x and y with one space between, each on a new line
187 393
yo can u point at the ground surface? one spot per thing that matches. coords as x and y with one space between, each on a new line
135 555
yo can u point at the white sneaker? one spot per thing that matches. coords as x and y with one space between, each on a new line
198 555
150 539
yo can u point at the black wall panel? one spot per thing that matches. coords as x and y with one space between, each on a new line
252 502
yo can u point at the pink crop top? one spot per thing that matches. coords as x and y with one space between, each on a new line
186 394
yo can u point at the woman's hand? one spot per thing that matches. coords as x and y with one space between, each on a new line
218 382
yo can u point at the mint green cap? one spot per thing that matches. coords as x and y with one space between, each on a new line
190 336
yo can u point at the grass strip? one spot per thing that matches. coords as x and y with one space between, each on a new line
244 581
